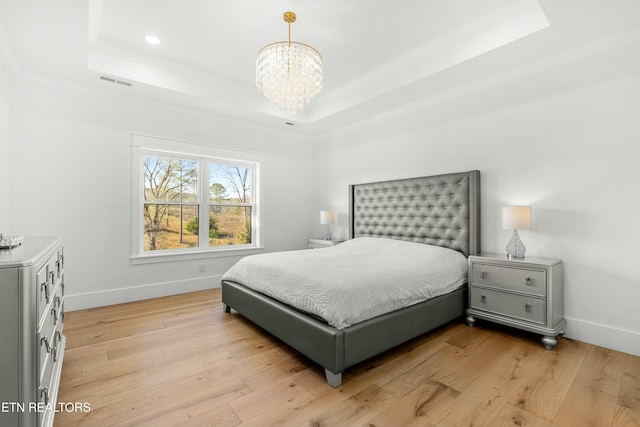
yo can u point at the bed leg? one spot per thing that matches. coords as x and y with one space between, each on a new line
334 380
226 308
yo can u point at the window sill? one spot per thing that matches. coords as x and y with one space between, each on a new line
185 256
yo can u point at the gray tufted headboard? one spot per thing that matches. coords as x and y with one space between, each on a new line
441 210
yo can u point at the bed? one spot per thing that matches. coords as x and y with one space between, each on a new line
441 210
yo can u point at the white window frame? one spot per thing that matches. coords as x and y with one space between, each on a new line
143 145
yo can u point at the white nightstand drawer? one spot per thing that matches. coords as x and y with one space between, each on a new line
515 279
518 306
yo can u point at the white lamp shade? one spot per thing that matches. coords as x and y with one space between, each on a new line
516 217
327 217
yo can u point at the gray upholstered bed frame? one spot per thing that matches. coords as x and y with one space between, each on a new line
440 210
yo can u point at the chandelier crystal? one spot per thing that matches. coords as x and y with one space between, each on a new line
289 74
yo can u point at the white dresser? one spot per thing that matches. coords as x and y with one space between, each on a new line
31 331
524 293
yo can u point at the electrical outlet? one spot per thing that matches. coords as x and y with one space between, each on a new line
203 267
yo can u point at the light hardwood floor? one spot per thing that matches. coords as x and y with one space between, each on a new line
181 361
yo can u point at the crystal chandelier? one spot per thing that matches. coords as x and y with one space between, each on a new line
289 74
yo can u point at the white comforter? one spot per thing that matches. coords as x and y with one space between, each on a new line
356 280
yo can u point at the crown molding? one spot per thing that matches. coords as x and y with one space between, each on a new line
504 25
574 56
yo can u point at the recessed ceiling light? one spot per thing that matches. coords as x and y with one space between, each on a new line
151 39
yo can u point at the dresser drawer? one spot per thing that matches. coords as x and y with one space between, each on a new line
45 339
519 306
46 374
514 279
52 321
45 288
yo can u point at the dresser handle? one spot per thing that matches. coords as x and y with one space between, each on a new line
54 353
528 281
45 393
45 285
58 302
46 344
54 313
483 299
527 308
484 274
53 277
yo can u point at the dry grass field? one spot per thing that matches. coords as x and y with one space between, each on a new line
229 225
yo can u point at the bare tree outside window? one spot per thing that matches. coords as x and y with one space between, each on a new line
170 193
173 203
233 213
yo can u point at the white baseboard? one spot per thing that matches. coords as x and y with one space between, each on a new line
604 336
593 333
86 300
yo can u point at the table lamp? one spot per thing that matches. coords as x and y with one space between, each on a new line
327 218
516 218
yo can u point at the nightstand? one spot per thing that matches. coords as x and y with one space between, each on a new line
321 243
523 293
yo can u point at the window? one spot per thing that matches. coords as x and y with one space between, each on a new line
177 189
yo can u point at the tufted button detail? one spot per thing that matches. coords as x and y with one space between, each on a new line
414 210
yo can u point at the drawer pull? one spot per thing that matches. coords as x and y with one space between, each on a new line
54 353
58 302
54 314
53 277
59 335
483 299
45 341
45 285
529 281
484 274
44 393
527 308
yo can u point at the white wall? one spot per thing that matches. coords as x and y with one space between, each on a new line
74 145
5 150
572 155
